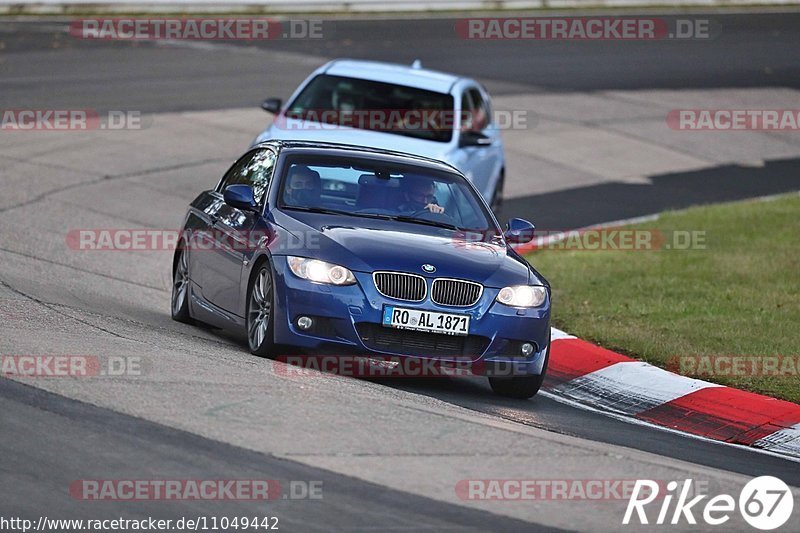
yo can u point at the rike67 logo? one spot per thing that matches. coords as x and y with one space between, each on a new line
765 503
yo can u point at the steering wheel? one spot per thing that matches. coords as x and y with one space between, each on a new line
443 215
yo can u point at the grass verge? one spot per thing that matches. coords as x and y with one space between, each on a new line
728 312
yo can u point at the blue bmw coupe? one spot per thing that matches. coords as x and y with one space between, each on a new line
338 249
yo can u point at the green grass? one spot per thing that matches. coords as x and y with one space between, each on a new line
738 296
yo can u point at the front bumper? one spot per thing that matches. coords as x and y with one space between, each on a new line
347 321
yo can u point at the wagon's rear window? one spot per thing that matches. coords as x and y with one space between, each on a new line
372 105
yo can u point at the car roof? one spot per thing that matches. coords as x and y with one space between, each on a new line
341 149
408 75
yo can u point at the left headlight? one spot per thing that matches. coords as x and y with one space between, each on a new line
320 271
522 295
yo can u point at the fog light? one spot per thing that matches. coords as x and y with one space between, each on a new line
304 322
526 349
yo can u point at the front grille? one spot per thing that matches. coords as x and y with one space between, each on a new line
456 292
409 287
420 343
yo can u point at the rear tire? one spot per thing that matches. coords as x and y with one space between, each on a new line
522 387
180 288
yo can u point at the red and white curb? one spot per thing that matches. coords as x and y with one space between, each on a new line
610 382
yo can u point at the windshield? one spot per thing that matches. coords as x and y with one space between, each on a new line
378 189
373 105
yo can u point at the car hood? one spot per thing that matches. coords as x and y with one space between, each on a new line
367 245
372 139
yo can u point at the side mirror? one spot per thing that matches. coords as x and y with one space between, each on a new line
240 197
519 231
473 138
271 105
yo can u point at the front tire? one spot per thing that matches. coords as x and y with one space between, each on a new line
522 387
180 289
260 315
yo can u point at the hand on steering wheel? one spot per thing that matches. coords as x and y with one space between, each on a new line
439 214
435 209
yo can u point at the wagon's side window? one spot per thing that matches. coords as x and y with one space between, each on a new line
466 112
254 169
480 110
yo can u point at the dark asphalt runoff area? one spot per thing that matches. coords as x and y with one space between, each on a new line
750 50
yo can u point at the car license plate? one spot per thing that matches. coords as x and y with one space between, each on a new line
421 320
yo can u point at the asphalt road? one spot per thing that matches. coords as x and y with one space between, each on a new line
114 446
206 408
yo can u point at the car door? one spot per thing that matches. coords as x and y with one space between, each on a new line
481 163
230 234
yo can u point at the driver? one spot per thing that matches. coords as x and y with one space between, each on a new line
303 186
418 196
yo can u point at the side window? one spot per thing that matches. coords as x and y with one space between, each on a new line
442 193
480 110
467 112
467 213
254 169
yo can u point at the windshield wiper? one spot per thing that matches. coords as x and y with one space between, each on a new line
316 210
426 222
325 211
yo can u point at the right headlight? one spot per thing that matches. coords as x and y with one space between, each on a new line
522 295
320 271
